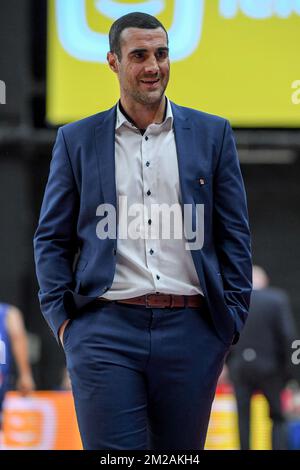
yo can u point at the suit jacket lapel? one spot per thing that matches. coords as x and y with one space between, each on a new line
105 146
183 139
188 155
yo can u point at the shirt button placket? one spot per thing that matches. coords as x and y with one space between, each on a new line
146 184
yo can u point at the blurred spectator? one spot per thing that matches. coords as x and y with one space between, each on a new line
13 341
261 360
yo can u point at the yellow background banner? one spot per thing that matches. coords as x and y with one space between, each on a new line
235 58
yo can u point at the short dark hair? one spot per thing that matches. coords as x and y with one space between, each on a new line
131 20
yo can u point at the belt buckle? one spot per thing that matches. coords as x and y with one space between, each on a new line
147 304
164 306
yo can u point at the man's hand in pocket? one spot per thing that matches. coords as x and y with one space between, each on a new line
61 331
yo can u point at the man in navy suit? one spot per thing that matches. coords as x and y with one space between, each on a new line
145 322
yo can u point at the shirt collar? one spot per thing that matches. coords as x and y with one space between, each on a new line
125 119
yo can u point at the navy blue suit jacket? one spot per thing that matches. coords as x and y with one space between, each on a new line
82 176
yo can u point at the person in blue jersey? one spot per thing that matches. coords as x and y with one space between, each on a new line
13 343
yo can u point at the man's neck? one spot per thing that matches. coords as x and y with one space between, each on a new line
142 116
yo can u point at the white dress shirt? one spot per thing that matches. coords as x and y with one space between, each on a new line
147 173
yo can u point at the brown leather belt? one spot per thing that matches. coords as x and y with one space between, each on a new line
161 300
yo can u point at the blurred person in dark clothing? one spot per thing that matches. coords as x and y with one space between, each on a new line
261 360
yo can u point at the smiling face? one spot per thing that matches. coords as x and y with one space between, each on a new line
144 68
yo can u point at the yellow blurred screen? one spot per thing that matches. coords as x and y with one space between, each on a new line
236 58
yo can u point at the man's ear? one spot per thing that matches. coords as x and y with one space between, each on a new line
113 62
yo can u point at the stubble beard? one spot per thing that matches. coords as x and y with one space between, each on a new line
150 98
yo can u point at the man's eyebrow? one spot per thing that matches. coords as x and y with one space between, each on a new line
134 51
